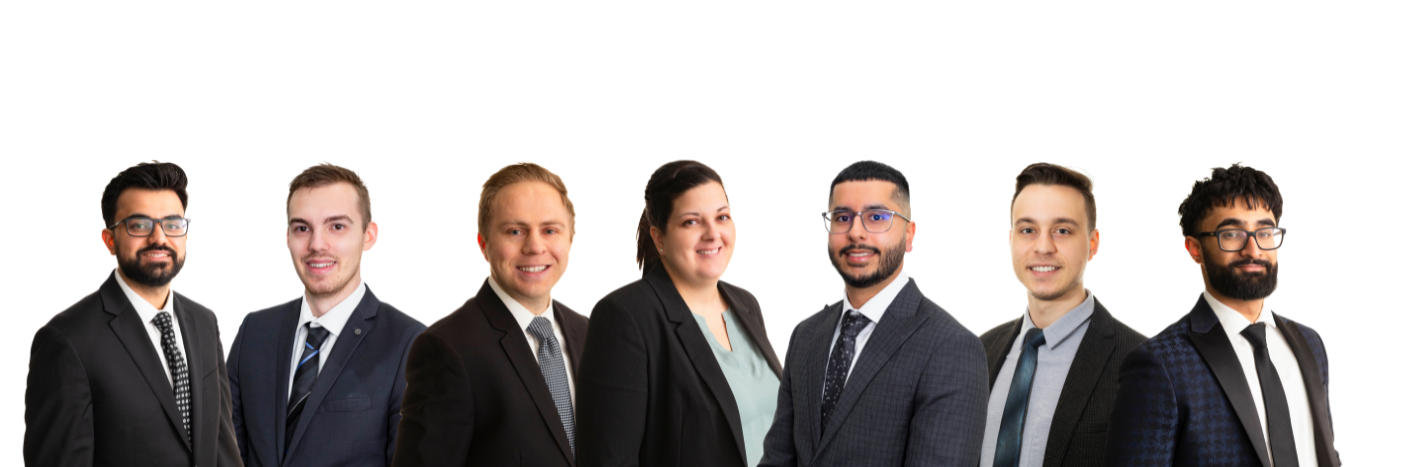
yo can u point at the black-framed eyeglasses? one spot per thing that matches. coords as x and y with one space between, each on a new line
873 220
1267 238
142 226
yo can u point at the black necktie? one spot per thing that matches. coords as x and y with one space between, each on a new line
1276 406
1009 434
179 373
840 362
552 367
305 376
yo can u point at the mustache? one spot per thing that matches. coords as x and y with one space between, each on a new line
848 248
1258 262
316 256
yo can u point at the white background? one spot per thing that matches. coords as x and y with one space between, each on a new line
426 101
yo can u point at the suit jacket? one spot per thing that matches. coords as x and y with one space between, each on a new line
98 393
917 394
352 412
476 395
650 390
1183 398
1080 424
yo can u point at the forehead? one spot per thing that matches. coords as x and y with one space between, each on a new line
859 194
1046 202
153 203
338 198
708 197
528 201
1259 215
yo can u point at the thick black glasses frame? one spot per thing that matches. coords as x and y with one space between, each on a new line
159 222
1252 234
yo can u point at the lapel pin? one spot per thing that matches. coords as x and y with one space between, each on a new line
357 331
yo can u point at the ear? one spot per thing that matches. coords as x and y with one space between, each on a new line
481 243
910 236
109 239
657 239
371 235
1194 249
1094 243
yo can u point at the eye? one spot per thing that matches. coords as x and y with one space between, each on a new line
551 230
724 217
879 217
515 232
1025 230
842 217
688 222
1231 234
338 226
1063 231
300 229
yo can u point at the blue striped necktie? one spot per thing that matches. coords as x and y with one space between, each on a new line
305 377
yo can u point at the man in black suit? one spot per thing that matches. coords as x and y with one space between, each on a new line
132 375
318 380
1055 368
493 383
885 376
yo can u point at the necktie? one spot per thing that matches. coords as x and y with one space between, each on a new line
1009 434
839 363
1276 407
305 376
552 367
179 373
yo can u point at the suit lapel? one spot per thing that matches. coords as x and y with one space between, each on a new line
131 330
757 333
517 349
348 338
1313 383
573 337
1000 347
286 335
1085 371
194 364
808 391
1214 346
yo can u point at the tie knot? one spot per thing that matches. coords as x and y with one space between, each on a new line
541 329
315 335
853 322
162 321
1255 333
1034 338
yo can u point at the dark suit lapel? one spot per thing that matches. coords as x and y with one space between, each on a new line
1214 346
1085 371
517 349
1000 347
808 391
195 364
286 335
348 339
131 330
573 335
1313 383
756 331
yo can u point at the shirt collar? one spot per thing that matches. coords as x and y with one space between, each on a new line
335 319
518 311
1066 326
1232 321
143 307
876 306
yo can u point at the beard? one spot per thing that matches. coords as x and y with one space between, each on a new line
890 261
1056 294
151 274
1242 286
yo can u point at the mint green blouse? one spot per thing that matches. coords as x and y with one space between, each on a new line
753 383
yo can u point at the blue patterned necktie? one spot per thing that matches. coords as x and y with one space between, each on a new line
1282 450
1009 435
552 367
839 363
179 373
307 369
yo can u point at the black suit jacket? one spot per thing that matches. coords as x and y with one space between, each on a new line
1080 424
650 390
352 412
476 395
98 394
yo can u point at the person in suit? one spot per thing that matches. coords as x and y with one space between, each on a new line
1055 368
885 376
678 370
493 383
133 375
317 381
1233 382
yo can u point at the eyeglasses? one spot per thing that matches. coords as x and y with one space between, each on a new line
1268 238
873 220
142 226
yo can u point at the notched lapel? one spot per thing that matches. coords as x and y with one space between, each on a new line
1214 346
1086 369
1001 346
195 365
347 341
286 334
1313 383
754 327
808 385
129 328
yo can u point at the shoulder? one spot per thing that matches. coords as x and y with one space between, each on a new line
569 316
990 337
200 312
398 320
736 292
272 313
78 316
1122 332
466 319
637 299
943 325
1171 341
1311 336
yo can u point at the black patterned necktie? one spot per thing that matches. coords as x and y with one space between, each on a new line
1009 433
179 372
307 369
1276 406
552 367
839 363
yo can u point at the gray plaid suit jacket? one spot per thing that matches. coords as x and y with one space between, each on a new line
916 397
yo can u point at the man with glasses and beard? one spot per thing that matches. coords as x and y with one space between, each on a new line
883 377
1232 383
133 374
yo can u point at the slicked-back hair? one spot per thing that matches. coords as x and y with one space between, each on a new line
318 176
516 173
154 175
1045 173
1226 187
668 182
872 170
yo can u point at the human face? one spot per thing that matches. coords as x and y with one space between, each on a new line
865 259
1248 274
153 260
326 236
527 242
1051 240
700 235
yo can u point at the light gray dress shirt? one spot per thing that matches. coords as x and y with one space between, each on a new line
873 309
1052 365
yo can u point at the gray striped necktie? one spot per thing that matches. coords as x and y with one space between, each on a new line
552 367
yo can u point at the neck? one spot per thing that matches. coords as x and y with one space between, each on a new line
155 295
535 305
1044 313
859 297
322 304
1250 309
700 296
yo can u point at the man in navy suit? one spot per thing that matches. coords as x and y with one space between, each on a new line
318 381
1232 383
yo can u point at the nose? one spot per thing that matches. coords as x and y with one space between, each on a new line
1045 245
1252 248
858 231
534 244
157 235
318 242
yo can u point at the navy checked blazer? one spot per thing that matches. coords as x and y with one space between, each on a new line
917 396
1183 398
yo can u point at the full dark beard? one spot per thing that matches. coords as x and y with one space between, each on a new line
151 275
1242 286
890 260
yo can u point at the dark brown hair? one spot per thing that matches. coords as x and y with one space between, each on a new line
318 176
668 182
1045 173
515 173
872 170
1223 188
154 175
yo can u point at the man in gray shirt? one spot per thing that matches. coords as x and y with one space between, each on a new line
1053 370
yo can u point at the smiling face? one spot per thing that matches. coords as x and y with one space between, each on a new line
863 258
700 235
326 236
155 259
527 241
1248 274
1051 240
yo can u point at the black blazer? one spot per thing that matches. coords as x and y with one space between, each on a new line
476 395
1080 425
98 394
650 390
352 412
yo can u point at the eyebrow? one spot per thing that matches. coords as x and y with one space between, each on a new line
1231 221
137 214
1058 220
328 220
694 213
868 207
521 222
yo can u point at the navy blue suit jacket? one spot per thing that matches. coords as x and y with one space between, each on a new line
352 414
1184 401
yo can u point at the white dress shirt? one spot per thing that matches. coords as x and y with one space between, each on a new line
334 322
873 310
148 315
1300 415
524 317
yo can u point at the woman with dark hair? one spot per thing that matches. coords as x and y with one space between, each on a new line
677 367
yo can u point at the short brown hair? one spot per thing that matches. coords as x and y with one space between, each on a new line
1044 173
318 176
516 173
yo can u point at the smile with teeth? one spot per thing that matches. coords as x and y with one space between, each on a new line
532 268
708 252
1044 268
